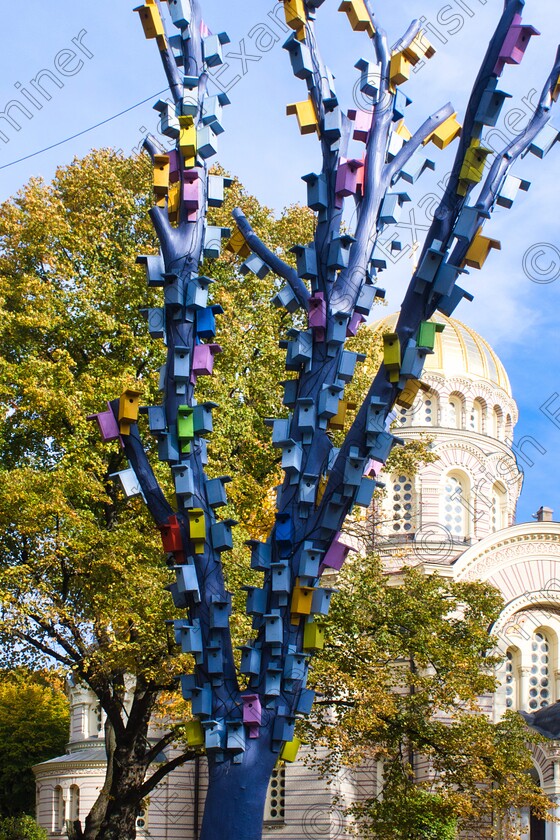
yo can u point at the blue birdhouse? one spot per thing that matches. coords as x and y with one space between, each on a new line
169 123
336 328
544 141
390 213
214 734
155 269
380 445
415 166
446 278
283 729
284 531
292 455
427 269
286 298
273 680
188 683
332 125
261 555
212 112
206 321
256 600
339 251
273 630
413 361
305 701
467 224
280 430
308 489
322 598
220 611
309 560
299 349
213 237
168 447
156 321
491 103
256 266
347 364
202 418
306 259
280 576
400 102
216 495
202 701
206 141
354 468
296 665
365 299
184 481
250 660
447 305
364 494
235 735
509 190
197 290
290 392
221 535
317 191
376 418
173 291
329 399
157 421
300 57
216 189
215 660
181 364
370 77
306 414
212 49
191 637
180 13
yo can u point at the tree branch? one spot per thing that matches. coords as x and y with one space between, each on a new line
276 264
27 637
418 138
163 771
170 65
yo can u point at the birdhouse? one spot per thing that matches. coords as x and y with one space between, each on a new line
220 611
380 445
174 203
221 535
185 423
155 269
332 125
250 661
480 249
317 313
474 162
391 352
399 69
273 680
445 278
284 531
491 104
187 140
447 305
215 660
445 133
306 115
544 141
214 734
290 750
216 190
202 417
313 636
179 10
212 48
358 16
376 416
273 632
418 49
362 124
256 600
415 167
194 733
192 190
150 18
391 208
216 495
294 11
413 361
256 266
364 494
306 260
188 681
283 729
300 57
296 665
238 245
181 365
285 298
252 711
329 398
299 350
205 320
173 291
168 447
189 102
169 124
302 597
129 408
467 224
290 392
336 328
235 738
107 423
280 576
212 114
338 421
207 141
197 290
261 555
191 637
184 482
347 176
306 415
427 334
305 701
317 191
202 701
129 483
515 44
280 430
171 535
197 529
509 189
370 77
187 583
354 468
429 265
309 561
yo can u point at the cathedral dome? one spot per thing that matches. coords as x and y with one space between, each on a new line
459 350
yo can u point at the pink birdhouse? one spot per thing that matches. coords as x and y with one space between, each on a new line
336 555
203 359
373 468
191 191
317 311
107 423
515 44
355 323
252 713
363 122
347 177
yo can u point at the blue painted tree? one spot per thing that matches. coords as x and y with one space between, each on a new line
246 731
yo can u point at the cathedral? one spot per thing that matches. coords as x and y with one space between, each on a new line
456 517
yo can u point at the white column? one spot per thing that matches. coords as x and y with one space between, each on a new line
553 829
523 674
525 820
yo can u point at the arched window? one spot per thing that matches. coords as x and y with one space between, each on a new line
74 804
498 512
476 417
403 505
511 679
455 503
509 428
497 422
142 819
58 810
454 412
539 681
95 721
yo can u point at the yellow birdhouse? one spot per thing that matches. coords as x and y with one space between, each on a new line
480 249
129 408
151 20
337 422
290 750
174 202
446 133
194 733
306 115
408 395
472 169
161 175
403 131
321 487
313 636
294 11
187 140
237 245
197 529
418 49
358 16
399 69
302 598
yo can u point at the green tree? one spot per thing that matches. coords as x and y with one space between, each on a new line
21 828
34 723
400 682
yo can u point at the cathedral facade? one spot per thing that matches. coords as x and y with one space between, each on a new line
456 517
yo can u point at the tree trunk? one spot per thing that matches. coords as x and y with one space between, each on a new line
236 797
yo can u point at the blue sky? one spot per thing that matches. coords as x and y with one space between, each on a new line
113 68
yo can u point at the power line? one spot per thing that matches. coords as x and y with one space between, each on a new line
85 131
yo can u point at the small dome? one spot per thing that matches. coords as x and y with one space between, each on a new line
458 350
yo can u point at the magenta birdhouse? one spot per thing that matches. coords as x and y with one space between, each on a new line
252 709
363 122
203 358
318 311
347 177
108 426
191 190
336 555
515 44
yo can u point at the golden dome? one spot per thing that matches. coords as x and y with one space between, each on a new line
459 350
